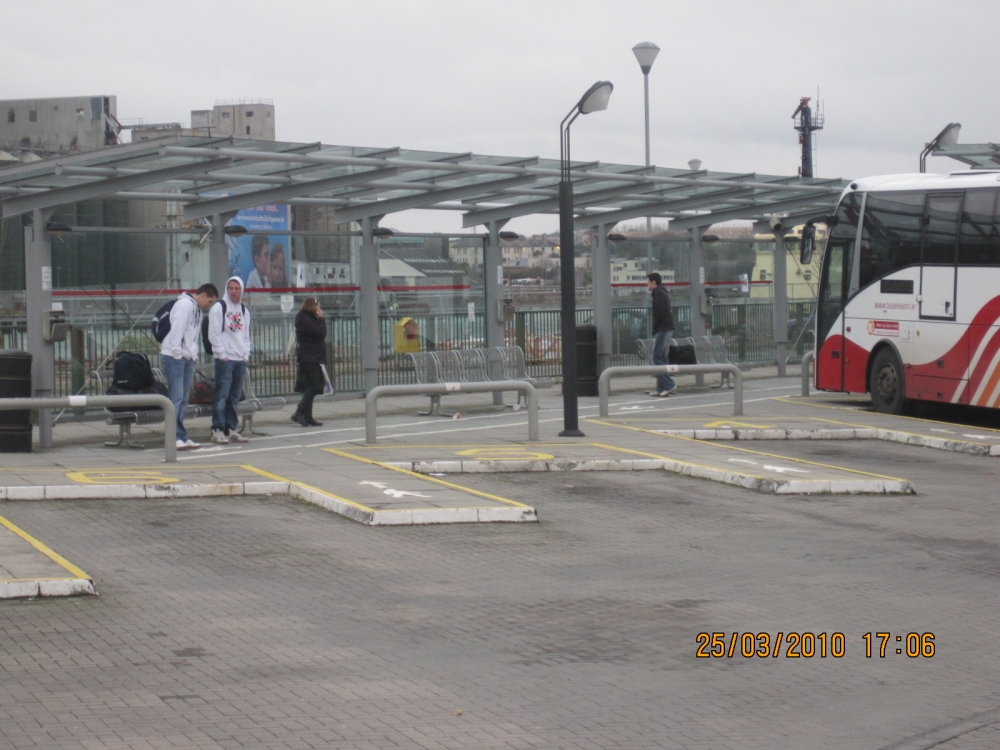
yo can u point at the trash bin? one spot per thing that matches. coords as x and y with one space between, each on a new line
15 382
586 360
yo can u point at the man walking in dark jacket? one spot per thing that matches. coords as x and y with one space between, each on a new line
663 331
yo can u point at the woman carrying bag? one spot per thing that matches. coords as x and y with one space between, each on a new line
310 335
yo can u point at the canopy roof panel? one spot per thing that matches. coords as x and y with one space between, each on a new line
212 176
976 155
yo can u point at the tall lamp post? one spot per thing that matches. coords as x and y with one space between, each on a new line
645 53
594 100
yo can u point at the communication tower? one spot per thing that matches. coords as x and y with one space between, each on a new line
803 121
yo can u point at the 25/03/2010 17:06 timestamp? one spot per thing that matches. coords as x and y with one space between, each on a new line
807 645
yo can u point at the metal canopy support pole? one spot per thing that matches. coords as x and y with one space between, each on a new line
38 288
218 253
780 304
602 298
697 288
369 302
493 293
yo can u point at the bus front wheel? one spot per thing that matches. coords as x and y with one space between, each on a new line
886 385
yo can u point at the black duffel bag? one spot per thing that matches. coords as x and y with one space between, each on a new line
682 354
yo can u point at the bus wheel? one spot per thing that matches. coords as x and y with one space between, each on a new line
887 387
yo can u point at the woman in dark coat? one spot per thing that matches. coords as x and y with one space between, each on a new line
310 333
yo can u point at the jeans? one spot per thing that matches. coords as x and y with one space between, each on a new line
229 377
661 350
179 374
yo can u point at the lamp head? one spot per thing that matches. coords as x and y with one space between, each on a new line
694 164
617 237
596 98
710 238
947 137
509 236
382 232
645 53
235 230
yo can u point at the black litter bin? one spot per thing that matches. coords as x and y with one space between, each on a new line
15 382
586 361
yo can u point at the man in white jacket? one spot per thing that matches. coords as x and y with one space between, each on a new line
229 333
179 352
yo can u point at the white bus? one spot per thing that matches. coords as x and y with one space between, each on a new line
909 300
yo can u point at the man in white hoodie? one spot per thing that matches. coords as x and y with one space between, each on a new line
229 333
179 352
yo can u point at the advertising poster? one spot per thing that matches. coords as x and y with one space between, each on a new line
262 261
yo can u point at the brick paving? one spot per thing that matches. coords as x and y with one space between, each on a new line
269 623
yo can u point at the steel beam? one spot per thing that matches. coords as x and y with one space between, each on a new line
656 209
282 194
752 212
392 205
101 188
527 208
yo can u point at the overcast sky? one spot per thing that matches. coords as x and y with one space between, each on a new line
498 77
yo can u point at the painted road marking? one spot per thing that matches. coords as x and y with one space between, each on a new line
52 555
726 424
506 453
121 476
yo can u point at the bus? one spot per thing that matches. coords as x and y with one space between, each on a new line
909 296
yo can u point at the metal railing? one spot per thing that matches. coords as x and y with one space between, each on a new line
604 382
746 327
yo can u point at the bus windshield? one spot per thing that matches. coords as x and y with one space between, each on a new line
837 263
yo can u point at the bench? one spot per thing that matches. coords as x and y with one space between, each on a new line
246 408
489 365
708 350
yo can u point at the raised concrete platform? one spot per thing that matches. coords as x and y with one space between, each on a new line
28 568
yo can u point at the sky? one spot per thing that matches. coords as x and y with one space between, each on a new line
498 76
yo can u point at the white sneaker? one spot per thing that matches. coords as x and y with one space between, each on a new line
182 445
235 437
191 445
218 436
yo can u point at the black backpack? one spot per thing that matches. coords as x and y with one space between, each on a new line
132 372
160 326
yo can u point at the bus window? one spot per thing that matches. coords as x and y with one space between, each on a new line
979 238
837 265
891 235
941 229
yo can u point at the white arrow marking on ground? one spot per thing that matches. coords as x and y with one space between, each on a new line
949 432
374 484
979 437
744 461
783 469
399 493
637 408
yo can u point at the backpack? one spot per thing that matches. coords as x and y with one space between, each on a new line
206 341
132 372
160 326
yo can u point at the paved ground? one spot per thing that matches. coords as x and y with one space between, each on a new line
268 622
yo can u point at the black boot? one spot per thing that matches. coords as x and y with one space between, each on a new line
299 417
312 422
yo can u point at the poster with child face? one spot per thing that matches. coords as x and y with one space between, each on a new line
262 260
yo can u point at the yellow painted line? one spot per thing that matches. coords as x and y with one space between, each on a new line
799 402
741 472
269 475
424 477
32 580
725 445
63 469
52 555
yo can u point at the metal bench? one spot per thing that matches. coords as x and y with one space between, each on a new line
491 365
246 408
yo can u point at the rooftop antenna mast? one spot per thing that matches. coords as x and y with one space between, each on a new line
802 120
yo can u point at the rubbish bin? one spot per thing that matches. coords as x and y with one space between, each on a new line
15 382
586 360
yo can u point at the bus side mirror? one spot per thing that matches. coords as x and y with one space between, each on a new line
808 244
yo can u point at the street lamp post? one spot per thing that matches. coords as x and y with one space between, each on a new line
594 100
645 53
